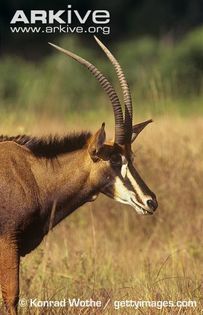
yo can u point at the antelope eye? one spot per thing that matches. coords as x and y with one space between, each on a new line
116 160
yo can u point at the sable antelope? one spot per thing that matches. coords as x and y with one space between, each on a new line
36 174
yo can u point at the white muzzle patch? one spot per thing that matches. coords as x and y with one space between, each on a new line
126 196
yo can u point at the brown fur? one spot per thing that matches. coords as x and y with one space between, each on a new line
50 147
35 175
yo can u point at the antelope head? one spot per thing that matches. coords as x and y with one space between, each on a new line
112 169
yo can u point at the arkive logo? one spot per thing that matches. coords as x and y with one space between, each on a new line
62 21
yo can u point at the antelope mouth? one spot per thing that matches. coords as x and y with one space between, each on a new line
140 209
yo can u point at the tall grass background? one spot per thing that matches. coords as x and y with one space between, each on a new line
164 76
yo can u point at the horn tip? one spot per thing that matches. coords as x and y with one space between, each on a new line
58 48
51 44
97 39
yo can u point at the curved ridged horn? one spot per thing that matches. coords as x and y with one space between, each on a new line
108 88
125 89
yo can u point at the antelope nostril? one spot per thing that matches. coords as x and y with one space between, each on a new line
152 204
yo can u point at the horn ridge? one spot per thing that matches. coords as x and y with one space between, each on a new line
125 90
108 88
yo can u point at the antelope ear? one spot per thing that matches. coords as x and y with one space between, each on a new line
97 142
138 128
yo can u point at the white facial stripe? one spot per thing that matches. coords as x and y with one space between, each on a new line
123 195
124 170
135 197
124 167
136 187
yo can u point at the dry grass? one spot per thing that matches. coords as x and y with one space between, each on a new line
105 250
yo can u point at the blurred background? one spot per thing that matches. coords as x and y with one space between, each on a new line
105 249
159 44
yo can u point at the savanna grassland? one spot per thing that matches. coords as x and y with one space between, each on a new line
104 250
